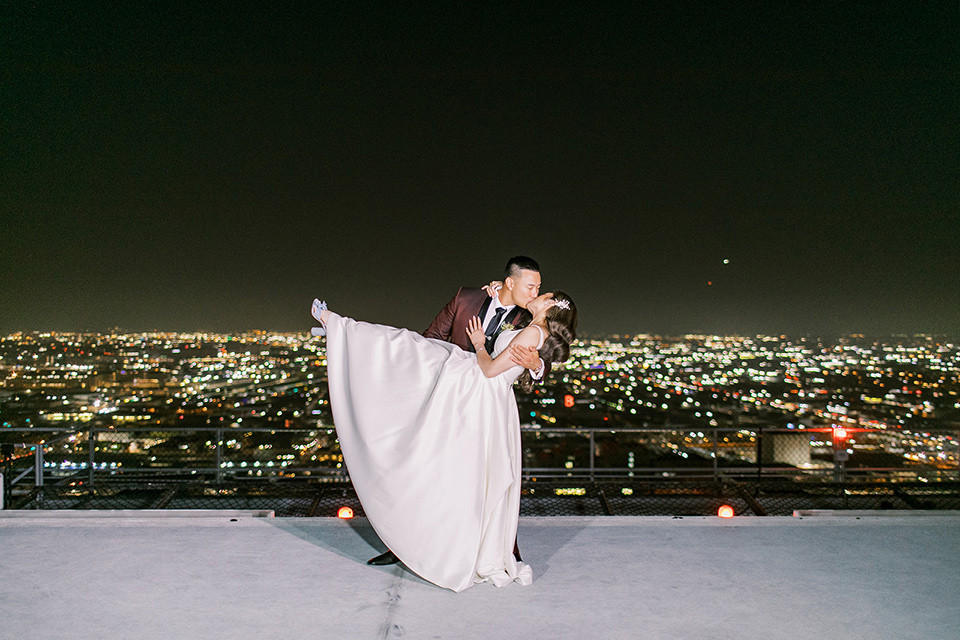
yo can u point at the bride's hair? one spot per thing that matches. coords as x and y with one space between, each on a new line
562 327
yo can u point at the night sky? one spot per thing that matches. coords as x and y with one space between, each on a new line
217 167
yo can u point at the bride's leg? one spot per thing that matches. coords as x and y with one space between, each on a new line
317 310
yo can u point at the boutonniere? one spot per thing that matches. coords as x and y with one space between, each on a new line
506 326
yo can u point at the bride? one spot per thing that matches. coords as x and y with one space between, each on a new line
430 435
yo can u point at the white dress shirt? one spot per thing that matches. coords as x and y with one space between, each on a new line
494 305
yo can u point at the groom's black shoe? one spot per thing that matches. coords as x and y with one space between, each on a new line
384 558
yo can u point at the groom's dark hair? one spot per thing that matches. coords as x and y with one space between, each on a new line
517 264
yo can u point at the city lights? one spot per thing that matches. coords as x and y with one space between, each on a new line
157 400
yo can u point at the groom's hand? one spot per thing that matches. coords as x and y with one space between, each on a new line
526 357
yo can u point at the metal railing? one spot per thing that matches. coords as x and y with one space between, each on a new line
44 455
737 453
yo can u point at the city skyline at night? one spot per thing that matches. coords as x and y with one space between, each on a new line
169 400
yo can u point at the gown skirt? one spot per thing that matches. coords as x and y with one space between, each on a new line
433 449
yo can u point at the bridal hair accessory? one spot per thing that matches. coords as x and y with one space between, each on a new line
562 304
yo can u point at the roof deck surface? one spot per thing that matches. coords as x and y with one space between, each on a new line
230 575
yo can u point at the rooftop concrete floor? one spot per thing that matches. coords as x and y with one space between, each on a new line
228 575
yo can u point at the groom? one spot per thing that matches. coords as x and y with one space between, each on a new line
496 310
506 306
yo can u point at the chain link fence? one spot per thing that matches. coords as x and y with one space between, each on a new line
299 472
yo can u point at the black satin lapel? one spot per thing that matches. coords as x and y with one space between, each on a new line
483 308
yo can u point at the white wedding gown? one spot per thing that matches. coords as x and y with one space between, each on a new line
433 449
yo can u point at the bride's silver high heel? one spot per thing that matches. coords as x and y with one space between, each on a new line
315 310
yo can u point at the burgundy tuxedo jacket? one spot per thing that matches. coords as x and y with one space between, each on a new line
450 325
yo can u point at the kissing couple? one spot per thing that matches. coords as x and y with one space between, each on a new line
429 427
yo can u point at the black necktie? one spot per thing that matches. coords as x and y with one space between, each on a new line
492 328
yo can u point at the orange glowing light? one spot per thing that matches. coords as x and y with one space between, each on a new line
726 511
568 401
345 512
839 432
